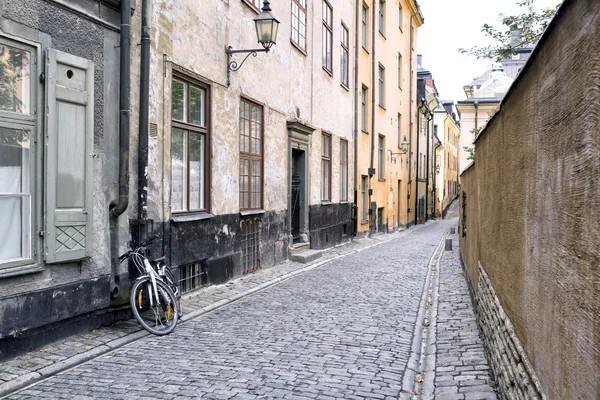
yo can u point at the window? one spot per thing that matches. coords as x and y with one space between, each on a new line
327 37
256 5
399 130
382 17
365 27
381 172
17 162
250 246
344 56
325 167
381 86
66 232
343 170
400 17
299 24
363 109
189 145
363 199
399 70
251 150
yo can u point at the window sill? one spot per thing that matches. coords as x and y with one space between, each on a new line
344 202
297 47
251 212
326 203
18 271
382 107
365 49
364 222
366 132
382 35
328 71
381 179
345 87
191 217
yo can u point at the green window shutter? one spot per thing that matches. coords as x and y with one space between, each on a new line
69 152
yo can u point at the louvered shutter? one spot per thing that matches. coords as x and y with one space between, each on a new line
69 152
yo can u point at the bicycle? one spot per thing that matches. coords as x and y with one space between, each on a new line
155 299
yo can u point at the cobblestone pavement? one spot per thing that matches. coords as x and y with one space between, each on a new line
462 371
341 328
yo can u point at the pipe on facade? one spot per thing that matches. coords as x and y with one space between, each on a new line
373 60
356 41
410 112
427 137
118 207
144 107
417 167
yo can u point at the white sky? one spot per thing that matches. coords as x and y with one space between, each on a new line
450 25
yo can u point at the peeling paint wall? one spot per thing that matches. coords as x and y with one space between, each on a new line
63 291
533 203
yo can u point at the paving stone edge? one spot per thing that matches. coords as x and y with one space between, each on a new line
419 375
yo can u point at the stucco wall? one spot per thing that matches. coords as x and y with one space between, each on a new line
30 301
533 205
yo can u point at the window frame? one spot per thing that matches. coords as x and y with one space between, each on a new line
345 49
382 17
365 27
181 74
399 70
381 157
254 7
301 10
364 108
381 80
363 194
31 122
326 138
343 170
327 38
252 156
400 17
399 120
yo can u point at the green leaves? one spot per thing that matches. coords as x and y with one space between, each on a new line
530 24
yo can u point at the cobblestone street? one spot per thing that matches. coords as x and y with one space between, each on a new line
343 330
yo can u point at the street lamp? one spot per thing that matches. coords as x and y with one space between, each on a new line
266 34
403 149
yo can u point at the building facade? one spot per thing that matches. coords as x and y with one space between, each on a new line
447 130
59 164
386 109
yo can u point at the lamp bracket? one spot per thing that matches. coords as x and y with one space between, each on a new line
233 65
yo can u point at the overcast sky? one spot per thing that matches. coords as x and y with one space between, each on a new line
450 25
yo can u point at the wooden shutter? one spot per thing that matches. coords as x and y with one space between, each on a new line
69 152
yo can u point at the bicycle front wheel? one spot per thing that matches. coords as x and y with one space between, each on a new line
157 315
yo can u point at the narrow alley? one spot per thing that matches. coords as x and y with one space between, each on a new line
343 330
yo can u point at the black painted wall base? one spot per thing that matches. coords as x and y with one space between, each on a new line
330 225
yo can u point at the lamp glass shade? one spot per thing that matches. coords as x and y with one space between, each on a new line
404 146
266 29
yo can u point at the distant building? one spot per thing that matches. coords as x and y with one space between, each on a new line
446 129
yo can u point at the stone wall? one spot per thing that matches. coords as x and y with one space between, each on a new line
511 369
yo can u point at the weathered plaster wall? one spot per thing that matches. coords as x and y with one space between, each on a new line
34 300
533 202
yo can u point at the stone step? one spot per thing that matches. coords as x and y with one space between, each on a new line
305 256
300 247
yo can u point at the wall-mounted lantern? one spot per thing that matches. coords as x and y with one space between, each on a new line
266 34
403 149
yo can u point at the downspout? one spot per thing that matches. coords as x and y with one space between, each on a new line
427 134
116 208
144 101
476 104
410 112
417 173
356 34
372 168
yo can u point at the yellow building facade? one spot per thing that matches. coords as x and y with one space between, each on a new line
387 64
448 131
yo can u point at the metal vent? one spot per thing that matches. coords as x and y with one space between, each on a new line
153 130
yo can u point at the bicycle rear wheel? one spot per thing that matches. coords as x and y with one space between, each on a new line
169 278
157 316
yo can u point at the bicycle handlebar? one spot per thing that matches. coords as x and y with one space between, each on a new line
140 246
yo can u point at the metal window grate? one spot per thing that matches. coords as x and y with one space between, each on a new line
192 276
251 245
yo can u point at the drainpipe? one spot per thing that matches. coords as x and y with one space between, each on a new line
410 112
372 169
116 208
476 104
429 118
356 35
417 169
143 123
